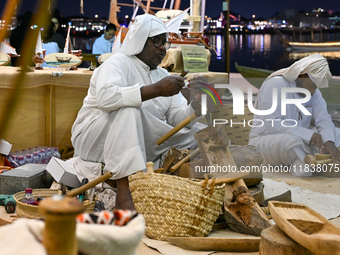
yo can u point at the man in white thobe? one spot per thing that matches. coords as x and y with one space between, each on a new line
288 142
131 103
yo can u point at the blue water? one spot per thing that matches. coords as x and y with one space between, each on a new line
264 51
60 63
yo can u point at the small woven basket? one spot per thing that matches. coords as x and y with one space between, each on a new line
173 206
31 211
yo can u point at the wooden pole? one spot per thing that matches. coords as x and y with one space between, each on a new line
91 184
197 13
176 129
148 5
113 13
177 5
226 7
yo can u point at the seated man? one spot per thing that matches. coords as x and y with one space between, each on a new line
288 144
130 104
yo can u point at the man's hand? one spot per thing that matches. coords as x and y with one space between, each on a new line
331 149
316 140
170 85
166 87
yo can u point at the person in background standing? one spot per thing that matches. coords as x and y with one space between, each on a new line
48 43
104 43
57 37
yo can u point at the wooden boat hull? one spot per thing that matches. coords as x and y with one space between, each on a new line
306 227
256 77
323 46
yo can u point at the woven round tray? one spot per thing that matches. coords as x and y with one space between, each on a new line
31 211
173 206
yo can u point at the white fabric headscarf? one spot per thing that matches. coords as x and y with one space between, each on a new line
316 66
144 26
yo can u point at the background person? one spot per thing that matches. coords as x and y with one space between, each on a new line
289 145
104 43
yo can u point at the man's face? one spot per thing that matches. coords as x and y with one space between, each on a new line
303 81
109 34
152 55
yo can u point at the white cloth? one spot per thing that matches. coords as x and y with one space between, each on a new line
277 143
114 126
316 66
101 45
86 169
25 236
144 26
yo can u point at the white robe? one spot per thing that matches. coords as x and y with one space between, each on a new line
116 128
288 145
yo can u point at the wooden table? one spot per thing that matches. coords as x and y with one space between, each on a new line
47 109
49 105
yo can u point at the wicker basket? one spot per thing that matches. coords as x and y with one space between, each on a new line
31 211
173 206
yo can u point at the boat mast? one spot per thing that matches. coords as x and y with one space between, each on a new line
114 8
177 4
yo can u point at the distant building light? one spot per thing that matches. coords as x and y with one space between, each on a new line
283 21
126 16
253 16
98 31
96 16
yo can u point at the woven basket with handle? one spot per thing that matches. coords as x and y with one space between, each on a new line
31 211
173 206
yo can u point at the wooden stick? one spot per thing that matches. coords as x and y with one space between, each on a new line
89 185
324 161
319 156
59 236
176 129
233 177
184 160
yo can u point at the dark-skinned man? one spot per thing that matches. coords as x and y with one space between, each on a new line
131 103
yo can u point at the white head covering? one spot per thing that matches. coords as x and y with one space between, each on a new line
316 66
144 26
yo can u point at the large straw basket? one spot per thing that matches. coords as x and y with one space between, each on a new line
173 206
31 211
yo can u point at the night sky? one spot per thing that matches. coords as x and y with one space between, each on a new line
262 8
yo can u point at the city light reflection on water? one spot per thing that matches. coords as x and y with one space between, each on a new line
219 47
263 51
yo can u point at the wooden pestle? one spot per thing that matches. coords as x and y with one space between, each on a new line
176 129
90 184
59 236
149 167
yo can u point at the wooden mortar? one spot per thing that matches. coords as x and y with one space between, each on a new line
59 236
